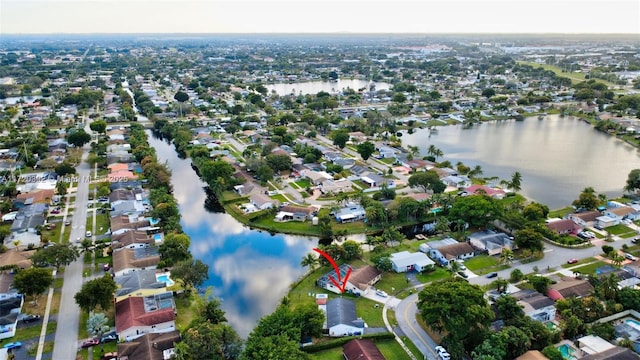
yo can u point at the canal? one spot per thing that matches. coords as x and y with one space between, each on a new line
249 270
557 156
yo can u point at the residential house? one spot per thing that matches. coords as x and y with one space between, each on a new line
449 253
584 219
405 261
562 226
139 283
123 223
535 305
623 212
132 240
350 213
295 213
419 164
154 346
317 177
127 260
262 202
606 221
21 259
346 163
490 241
375 180
592 345
385 152
361 349
342 319
569 288
10 306
327 283
121 175
362 279
532 355
141 315
456 181
485 190
38 196
24 228
615 353
336 186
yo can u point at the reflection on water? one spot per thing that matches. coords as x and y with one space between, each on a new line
250 270
557 157
314 87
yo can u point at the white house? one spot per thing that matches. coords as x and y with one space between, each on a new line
362 279
326 283
405 261
606 221
10 305
490 241
350 213
535 305
623 212
342 319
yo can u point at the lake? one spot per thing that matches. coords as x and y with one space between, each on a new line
314 87
557 157
250 270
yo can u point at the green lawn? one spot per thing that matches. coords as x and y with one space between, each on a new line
580 262
589 269
303 183
367 310
33 331
481 262
439 274
560 213
620 229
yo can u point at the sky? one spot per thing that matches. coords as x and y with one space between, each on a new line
313 16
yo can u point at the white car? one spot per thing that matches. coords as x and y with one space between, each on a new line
381 293
440 349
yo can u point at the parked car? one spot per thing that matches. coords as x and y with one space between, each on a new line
12 345
598 226
109 337
463 274
381 293
635 240
110 356
88 234
89 343
492 275
572 261
67 223
630 257
440 349
30 318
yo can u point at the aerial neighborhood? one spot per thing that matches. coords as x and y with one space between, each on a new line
329 155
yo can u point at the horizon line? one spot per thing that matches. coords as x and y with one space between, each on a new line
319 33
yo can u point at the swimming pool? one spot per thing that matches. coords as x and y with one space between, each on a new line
567 352
157 238
165 278
634 323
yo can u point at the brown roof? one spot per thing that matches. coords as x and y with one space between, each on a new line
454 250
130 312
563 225
587 216
362 349
125 259
616 353
122 222
532 355
39 196
131 237
148 346
19 258
570 288
297 209
363 276
622 211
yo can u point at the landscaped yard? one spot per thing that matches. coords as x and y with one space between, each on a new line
621 230
388 347
481 262
589 269
303 183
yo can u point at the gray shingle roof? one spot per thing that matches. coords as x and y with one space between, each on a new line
341 311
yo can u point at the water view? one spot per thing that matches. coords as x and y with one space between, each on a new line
557 157
250 270
314 87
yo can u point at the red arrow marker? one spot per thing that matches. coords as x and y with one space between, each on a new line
341 284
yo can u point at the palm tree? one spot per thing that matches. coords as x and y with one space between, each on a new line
432 150
476 171
516 181
310 261
616 259
454 267
609 286
506 256
501 285
414 150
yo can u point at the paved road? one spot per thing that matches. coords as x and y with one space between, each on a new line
66 336
406 312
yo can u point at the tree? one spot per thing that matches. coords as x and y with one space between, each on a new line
528 238
32 282
352 250
57 255
365 149
629 298
78 138
64 169
587 200
98 126
181 97
535 211
516 276
174 248
97 324
572 327
516 182
204 340
506 256
508 309
96 292
279 162
476 210
191 273
382 262
440 303
427 180
340 138
552 353
540 283
309 260
633 181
